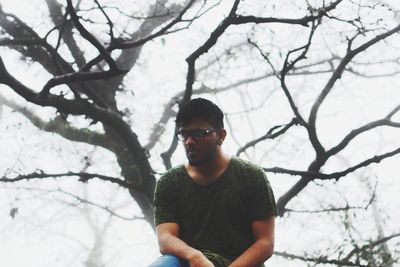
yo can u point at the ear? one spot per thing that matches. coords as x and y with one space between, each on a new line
221 136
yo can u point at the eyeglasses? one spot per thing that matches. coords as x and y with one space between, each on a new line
196 134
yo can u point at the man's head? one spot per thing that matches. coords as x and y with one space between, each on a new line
200 108
201 129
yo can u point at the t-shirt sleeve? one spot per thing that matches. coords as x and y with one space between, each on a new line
165 203
260 196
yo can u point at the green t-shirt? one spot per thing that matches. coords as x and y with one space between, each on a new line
216 218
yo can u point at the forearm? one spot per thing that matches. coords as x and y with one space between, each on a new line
255 255
170 244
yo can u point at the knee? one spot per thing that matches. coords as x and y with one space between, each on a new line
167 261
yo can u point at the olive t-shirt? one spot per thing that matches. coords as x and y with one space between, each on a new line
216 219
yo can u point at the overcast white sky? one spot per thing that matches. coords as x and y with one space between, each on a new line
49 231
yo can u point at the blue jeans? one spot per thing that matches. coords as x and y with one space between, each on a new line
169 261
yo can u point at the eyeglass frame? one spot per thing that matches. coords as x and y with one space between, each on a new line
204 133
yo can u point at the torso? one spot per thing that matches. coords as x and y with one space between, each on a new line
216 216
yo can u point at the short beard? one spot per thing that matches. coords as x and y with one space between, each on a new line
204 160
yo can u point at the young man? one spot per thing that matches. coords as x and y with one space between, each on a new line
216 210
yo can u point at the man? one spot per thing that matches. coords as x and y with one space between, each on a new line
216 210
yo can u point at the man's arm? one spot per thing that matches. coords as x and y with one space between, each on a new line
170 243
263 247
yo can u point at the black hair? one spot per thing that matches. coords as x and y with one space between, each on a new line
200 108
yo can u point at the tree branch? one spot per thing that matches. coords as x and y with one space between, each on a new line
108 117
375 243
351 53
107 209
290 66
137 40
83 177
80 77
88 36
109 22
301 21
320 260
162 31
375 159
61 127
29 44
369 126
335 209
268 135
58 18
308 176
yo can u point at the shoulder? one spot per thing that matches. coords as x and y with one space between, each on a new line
248 173
172 176
246 167
168 183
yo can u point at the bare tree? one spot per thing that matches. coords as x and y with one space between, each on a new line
92 82
319 45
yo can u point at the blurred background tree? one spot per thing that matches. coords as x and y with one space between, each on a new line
309 89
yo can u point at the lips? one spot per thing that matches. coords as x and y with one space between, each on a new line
192 152
191 149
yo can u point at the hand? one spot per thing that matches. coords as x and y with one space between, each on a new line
197 259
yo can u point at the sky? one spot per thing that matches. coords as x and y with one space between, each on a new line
52 229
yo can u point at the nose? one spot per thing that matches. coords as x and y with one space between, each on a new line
189 140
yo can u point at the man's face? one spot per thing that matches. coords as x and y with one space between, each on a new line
200 141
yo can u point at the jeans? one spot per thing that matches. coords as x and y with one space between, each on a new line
169 261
